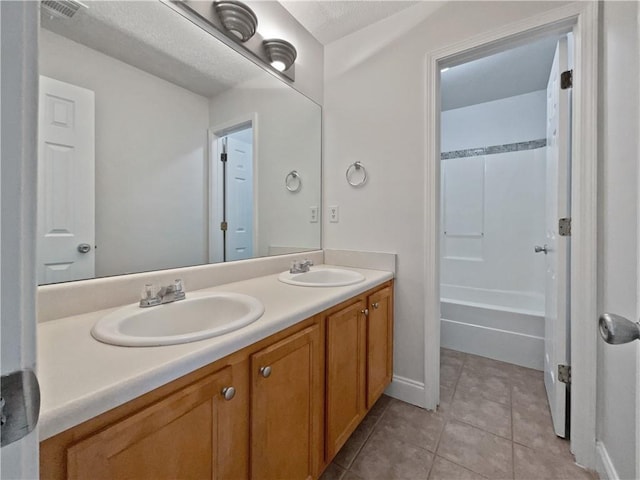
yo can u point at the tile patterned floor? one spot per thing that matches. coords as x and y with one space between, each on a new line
493 422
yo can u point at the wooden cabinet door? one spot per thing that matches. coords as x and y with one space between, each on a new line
286 407
379 343
345 374
176 437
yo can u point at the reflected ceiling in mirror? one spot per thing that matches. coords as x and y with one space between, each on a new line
162 147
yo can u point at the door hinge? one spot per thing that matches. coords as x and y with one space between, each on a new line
566 79
564 227
223 226
223 157
19 405
564 374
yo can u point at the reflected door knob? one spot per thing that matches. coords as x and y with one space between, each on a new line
84 248
615 329
539 249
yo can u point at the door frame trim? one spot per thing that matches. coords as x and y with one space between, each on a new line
582 19
19 27
213 213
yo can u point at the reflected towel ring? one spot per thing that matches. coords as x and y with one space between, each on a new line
354 167
293 181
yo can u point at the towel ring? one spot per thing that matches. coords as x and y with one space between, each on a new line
293 182
355 166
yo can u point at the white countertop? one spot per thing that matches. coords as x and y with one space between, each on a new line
81 378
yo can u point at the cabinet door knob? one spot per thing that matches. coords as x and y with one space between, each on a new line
265 371
375 305
228 393
365 311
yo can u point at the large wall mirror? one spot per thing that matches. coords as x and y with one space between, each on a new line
137 107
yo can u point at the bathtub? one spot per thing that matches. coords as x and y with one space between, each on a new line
503 325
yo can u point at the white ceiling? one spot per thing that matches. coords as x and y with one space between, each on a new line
328 21
513 72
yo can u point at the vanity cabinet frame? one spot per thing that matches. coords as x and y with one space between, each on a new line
238 424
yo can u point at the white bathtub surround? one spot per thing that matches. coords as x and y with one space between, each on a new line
492 291
81 377
503 325
492 217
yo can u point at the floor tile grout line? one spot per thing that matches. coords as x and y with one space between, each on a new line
446 417
396 438
367 437
513 385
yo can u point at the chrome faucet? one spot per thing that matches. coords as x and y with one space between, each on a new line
300 267
167 294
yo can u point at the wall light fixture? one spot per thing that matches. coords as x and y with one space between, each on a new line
281 53
237 18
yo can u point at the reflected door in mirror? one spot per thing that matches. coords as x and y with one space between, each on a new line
239 196
66 187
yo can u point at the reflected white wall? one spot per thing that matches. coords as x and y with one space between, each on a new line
288 138
151 146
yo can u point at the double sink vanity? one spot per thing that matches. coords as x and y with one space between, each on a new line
275 396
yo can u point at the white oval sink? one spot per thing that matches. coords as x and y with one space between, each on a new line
199 316
322 277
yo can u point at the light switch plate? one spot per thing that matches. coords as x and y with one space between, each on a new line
333 213
313 215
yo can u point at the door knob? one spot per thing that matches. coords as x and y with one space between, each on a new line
615 329
265 371
539 249
84 248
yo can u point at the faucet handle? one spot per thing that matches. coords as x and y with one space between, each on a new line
178 285
307 262
149 291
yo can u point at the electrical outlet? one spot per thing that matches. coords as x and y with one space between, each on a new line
333 214
313 215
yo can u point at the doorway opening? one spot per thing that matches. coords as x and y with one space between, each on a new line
505 136
232 229
581 20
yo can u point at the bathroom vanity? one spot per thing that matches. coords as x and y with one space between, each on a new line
275 399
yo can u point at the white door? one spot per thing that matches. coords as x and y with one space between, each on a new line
239 202
557 257
18 123
66 185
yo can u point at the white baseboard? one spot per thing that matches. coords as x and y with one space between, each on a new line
407 390
604 465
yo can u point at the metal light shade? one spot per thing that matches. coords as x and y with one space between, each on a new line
281 53
237 18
